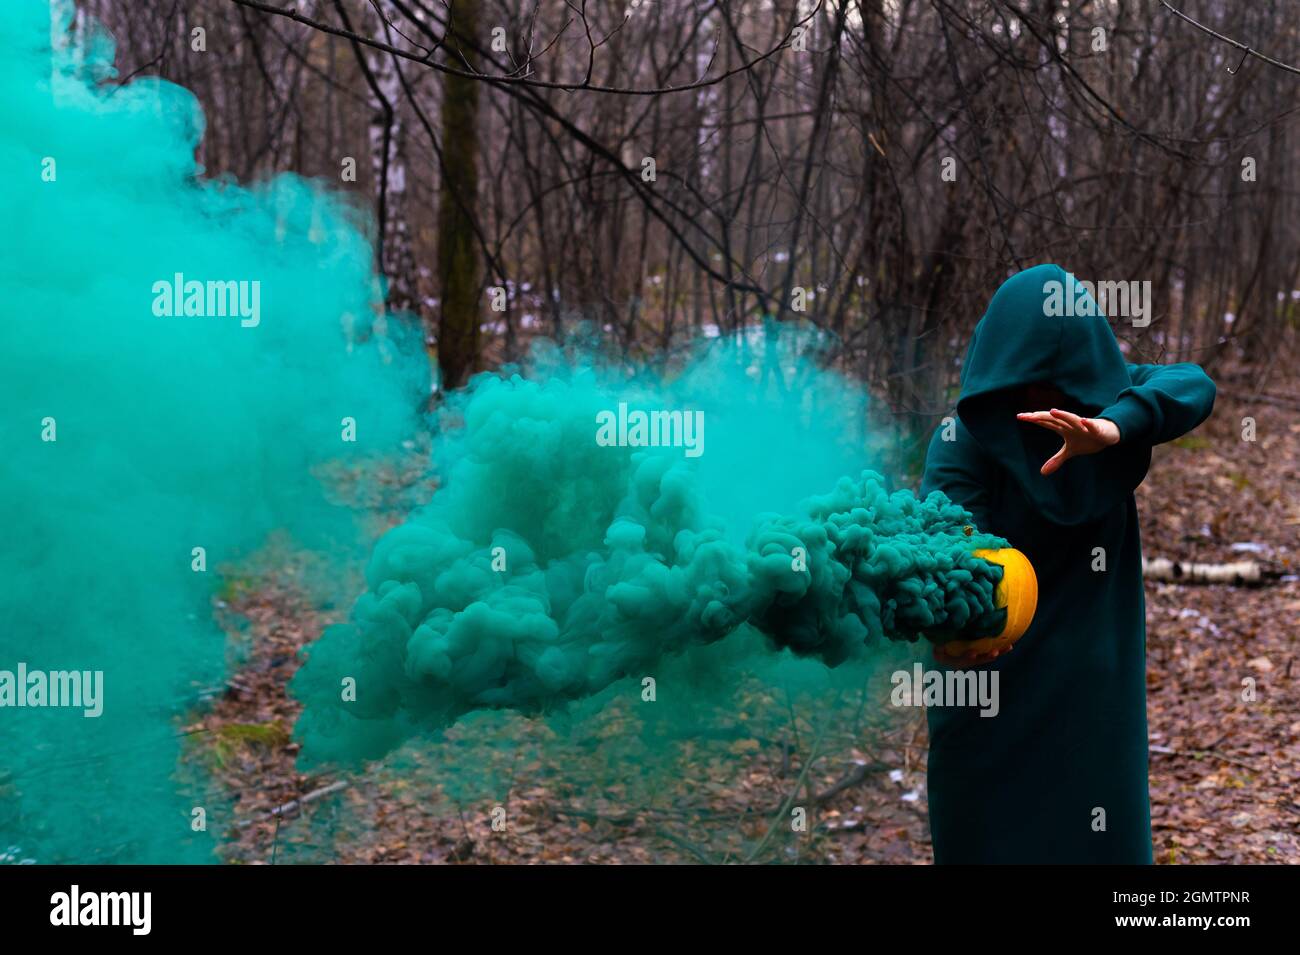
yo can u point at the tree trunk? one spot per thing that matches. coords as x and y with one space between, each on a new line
458 261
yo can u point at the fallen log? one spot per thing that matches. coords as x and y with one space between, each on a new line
1240 573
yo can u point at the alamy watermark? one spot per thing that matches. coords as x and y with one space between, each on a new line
178 297
75 907
83 689
651 429
939 688
1131 300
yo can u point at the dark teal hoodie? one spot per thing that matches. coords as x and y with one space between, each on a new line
1060 773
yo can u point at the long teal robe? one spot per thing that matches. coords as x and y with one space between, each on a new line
1059 775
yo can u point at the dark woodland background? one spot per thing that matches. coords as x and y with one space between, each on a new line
796 145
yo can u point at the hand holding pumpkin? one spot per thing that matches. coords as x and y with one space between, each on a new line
968 658
1016 593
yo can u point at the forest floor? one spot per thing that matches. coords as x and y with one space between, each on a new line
1224 771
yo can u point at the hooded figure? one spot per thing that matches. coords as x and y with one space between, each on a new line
1059 775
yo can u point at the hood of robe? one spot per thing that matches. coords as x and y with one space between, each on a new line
1042 327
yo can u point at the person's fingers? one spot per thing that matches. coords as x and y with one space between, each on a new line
1060 427
1068 418
948 658
969 658
1098 430
1049 423
1056 460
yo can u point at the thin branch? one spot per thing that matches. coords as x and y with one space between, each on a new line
1248 51
292 14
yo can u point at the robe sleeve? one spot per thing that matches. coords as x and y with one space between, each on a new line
1163 403
955 468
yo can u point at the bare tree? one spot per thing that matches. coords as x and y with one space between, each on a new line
669 171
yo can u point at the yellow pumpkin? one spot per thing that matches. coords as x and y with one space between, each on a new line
1017 592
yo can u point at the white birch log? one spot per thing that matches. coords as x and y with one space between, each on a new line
1185 572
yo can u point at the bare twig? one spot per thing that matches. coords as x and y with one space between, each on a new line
295 804
1247 51
585 86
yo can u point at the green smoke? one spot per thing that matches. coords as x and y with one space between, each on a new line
549 565
133 437
136 432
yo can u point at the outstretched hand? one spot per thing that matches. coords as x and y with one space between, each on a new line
1079 435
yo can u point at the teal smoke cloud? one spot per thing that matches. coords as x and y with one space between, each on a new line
156 400
550 563
132 436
